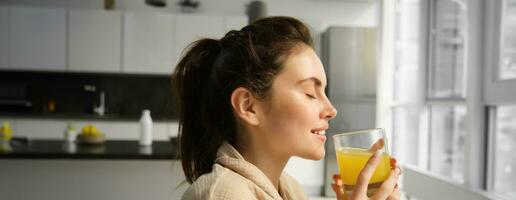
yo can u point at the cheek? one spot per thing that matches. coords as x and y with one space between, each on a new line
294 116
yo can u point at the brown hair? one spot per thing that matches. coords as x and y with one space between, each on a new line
211 70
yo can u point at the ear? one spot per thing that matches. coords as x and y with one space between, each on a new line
244 105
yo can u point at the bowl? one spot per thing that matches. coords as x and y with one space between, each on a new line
91 139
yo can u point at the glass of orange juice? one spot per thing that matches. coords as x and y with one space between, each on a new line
354 149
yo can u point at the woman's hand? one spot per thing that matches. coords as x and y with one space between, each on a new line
388 190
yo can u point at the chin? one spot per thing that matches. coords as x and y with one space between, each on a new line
315 155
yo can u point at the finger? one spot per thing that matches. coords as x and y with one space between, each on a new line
388 185
365 175
394 163
396 194
377 145
336 177
339 192
338 187
337 180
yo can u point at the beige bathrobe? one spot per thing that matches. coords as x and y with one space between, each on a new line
234 178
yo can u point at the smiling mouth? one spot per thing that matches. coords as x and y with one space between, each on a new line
318 132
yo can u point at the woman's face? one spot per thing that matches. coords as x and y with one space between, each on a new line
297 113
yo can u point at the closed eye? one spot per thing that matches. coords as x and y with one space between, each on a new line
311 96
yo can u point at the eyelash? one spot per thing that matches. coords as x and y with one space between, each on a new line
311 96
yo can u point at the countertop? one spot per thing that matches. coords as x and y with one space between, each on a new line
111 149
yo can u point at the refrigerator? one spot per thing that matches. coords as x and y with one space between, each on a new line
349 56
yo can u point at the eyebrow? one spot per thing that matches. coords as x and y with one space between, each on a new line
317 82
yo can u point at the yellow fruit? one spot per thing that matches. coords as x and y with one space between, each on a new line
6 133
84 130
91 130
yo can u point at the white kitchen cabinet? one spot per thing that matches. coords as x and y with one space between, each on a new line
40 128
234 23
189 28
37 38
4 37
94 41
173 129
159 131
113 130
148 43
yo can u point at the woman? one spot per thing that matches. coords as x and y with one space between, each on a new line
249 102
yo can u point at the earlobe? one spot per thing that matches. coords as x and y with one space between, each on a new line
243 103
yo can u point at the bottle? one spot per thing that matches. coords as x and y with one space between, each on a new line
70 133
146 128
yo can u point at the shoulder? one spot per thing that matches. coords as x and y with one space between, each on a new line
232 186
289 181
221 183
291 188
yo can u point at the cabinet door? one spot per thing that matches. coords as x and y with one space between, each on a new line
4 39
40 128
37 38
173 129
148 43
94 40
190 28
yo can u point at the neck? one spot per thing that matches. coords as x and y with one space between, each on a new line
269 163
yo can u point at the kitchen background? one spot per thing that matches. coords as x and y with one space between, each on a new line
438 75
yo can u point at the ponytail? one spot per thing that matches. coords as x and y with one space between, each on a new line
197 147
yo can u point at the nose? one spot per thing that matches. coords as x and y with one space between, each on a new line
329 112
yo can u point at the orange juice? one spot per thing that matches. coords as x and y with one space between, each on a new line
351 162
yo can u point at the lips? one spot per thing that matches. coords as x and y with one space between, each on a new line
319 132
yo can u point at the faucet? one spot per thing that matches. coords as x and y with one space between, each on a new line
101 108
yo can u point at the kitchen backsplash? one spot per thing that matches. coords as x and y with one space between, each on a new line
126 95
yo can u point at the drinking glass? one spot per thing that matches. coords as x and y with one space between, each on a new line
353 150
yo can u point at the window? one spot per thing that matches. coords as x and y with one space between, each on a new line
504 156
406 81
446 77
447 130
447 38
438 65
508 60
436 112
501 99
